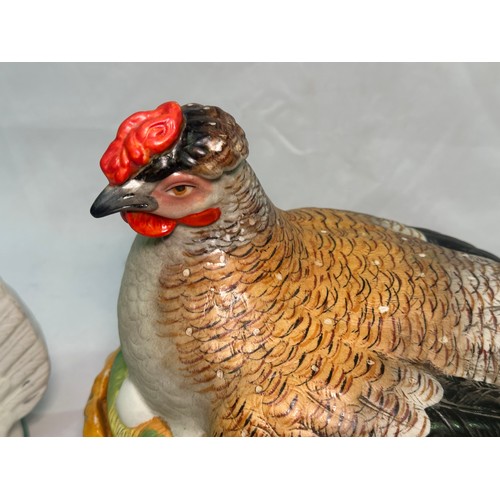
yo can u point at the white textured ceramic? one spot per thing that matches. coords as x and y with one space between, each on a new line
24 362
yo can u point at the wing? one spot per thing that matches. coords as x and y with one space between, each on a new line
410 307
367 395
468 407
432 237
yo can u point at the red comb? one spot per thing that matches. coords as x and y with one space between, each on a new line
141 135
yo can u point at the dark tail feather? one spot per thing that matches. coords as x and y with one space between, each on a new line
455 244
468 409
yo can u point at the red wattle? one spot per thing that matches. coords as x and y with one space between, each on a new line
150 225
201 219
156 226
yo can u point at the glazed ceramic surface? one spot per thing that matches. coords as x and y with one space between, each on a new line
239 319
24 363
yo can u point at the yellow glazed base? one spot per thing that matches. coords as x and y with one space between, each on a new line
101 417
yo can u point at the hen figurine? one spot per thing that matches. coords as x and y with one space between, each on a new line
237 318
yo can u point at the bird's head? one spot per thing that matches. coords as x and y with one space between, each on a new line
164 167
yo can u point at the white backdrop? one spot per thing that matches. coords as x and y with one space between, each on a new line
419 143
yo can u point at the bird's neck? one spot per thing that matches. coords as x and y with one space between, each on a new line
249 211
247 214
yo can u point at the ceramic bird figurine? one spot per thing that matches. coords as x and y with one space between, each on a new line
24 363
237 318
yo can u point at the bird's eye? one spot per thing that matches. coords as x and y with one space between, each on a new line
180 190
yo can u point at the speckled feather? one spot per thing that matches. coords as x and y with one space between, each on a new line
306 322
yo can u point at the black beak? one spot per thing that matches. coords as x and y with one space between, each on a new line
132 196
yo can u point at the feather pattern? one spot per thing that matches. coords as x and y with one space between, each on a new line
24 364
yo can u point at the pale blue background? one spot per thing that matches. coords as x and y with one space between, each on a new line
419 143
